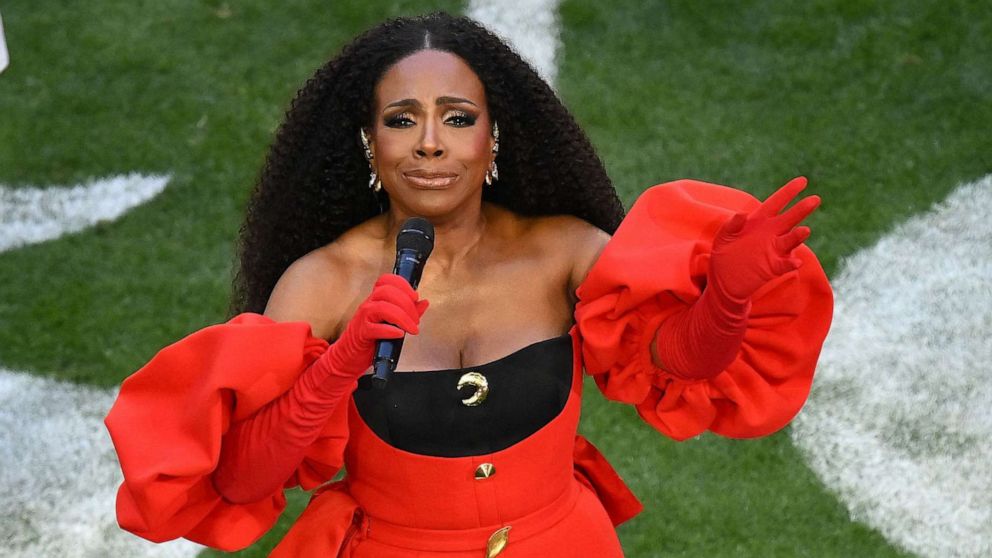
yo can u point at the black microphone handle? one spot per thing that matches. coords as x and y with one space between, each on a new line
387 351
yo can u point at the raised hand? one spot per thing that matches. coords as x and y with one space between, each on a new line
753 248
748 251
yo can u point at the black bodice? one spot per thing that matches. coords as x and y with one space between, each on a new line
422 412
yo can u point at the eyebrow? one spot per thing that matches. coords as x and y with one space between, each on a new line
440 101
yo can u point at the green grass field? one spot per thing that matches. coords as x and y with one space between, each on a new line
885 107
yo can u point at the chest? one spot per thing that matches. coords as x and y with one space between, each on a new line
482 313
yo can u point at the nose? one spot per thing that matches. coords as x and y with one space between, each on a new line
430 143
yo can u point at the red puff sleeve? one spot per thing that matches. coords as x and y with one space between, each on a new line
655 264
170 415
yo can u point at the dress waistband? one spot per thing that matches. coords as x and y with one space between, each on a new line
479 538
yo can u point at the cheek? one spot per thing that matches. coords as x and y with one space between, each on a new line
390 151
479 147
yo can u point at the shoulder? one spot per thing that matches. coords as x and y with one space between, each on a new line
321 286
565 235
576 240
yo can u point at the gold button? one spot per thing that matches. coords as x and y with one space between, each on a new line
485 471
481 385
497 542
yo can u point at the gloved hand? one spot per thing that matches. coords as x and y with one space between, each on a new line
261 452
748 251
392 310
751 249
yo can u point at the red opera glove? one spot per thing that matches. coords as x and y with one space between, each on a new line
261 452
749 250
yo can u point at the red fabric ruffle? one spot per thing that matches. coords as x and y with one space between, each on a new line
655 264
170 416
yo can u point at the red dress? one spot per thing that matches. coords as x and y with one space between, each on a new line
557 495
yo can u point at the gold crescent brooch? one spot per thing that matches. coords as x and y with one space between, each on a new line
481 385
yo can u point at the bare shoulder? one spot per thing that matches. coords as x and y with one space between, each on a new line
322 286
579 241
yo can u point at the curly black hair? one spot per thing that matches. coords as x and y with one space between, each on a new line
314 184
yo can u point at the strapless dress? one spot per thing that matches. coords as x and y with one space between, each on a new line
427 475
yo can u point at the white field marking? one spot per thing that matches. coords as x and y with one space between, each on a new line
60 474
4 57
32 215
899 422
529 26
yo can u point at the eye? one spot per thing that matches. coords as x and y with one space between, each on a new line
401 120
460 119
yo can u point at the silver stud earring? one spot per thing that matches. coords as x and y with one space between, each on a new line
374 183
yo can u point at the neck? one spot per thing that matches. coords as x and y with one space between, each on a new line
455 236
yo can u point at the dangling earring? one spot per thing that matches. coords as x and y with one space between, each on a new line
374 183
493 173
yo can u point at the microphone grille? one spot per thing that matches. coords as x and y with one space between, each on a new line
416 233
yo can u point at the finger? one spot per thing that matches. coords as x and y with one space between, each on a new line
781 266
788 242
781 198
393 280
797 213
733 226
400 318
422 307
390 313
385 331
394 295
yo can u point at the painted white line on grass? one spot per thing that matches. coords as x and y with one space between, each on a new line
60 474
32 215
4 57
899 422
529 26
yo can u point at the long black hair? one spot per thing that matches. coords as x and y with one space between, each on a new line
314 185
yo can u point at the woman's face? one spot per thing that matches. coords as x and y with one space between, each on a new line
432 139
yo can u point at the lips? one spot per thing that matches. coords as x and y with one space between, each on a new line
430 179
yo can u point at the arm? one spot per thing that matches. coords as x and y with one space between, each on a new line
655 268
260 453
749 251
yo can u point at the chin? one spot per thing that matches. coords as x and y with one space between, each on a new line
435 203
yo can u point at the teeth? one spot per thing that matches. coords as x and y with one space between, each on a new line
432 182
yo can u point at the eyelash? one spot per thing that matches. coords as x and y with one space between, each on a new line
403 120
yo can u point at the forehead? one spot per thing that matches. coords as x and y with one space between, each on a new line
428 74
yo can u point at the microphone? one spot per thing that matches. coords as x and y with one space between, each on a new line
414 244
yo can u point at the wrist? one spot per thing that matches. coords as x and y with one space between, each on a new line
339 363
703 339
351 354
717 294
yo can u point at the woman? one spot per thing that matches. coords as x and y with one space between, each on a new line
696 311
